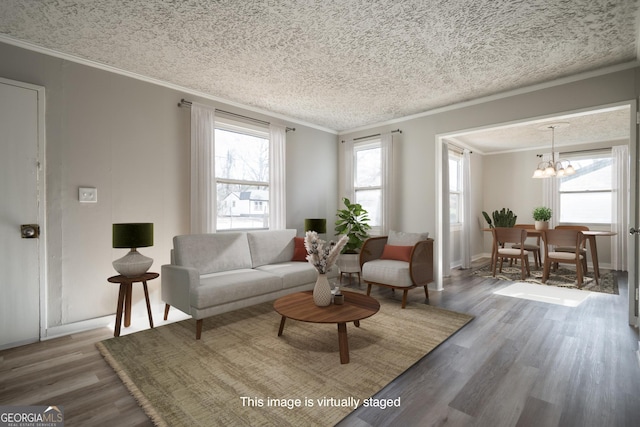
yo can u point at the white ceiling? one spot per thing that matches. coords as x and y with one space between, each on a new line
336 64
603 125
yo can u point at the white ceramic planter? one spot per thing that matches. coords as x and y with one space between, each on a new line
542 225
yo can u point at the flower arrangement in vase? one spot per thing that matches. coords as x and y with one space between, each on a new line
322 256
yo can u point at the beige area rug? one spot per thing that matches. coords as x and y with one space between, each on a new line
242 373
562 277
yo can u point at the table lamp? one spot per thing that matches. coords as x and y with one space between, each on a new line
133 236
319 225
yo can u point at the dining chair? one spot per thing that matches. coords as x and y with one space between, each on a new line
506 235
531 247
562 238
583 244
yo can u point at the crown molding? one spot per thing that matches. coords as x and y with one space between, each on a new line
105 67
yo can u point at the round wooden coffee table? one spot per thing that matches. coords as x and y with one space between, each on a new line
300 306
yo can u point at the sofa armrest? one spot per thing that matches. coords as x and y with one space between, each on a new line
176 285
421 265
372 249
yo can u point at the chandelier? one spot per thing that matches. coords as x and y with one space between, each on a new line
547 169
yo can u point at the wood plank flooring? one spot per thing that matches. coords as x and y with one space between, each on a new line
518 363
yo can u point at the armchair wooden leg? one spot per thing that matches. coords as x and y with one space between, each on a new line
404 298
426 292
368 288
166 311
198 328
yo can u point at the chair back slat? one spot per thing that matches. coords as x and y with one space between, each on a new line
563 237
509 235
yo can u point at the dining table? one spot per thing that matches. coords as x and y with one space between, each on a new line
589 236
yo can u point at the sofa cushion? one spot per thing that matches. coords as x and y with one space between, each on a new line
296 273
270 246
292 273
399 238
386 271
212 253
228 286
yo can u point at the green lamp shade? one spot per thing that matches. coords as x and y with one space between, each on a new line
133 235
319 225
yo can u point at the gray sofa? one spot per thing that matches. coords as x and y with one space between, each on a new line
215 273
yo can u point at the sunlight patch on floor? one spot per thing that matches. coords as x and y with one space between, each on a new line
543 293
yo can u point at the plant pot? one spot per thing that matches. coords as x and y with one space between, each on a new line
349 263
542 225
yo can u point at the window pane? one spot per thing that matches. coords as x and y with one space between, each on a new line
454 173
454 208
241 157
586 208
368 167
591 174
242 206
371 201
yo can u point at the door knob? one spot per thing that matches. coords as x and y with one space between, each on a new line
30 231
633 231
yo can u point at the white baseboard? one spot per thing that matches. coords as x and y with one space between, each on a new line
72 328
139 322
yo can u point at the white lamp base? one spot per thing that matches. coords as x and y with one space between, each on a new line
132 264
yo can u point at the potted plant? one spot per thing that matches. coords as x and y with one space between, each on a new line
353 221
502 218
541 216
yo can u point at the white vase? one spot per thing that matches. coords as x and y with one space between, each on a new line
322 291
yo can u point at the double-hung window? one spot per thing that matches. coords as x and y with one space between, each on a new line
586 197
455 189
367 180
241 176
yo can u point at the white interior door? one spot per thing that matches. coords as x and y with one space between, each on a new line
21 144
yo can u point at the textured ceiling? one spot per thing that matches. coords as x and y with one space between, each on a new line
609 124
339 64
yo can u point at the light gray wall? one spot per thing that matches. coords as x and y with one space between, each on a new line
416 178
129 139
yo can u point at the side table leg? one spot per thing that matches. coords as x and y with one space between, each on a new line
127 307
121 293
146 297
343 344
281 325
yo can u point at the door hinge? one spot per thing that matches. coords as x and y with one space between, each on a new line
637 294
638 117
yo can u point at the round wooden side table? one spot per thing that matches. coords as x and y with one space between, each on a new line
124 298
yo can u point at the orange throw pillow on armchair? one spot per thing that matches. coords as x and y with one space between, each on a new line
398 253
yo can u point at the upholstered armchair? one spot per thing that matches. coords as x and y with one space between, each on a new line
398 261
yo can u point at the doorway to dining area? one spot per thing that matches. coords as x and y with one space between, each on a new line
505 157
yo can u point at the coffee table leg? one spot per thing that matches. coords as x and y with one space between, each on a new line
281 325
343 343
